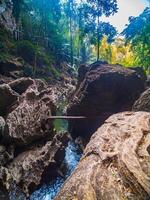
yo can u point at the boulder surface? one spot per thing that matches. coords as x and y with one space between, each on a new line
7 98
30 168
143 103
105 90
116 162
27 122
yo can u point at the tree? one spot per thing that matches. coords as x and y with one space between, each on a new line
70 11
98 8
137 33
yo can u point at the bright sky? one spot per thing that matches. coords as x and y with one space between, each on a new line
126 9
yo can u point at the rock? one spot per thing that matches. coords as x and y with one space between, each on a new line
148 81
7 98
5 178
6 154
6 16
116 162
5 79
9 66
143 103
140 72
83 69
21 85
31 167
2 126
41 85
105 90
27 122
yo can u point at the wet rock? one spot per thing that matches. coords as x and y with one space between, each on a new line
143 103
7 98
27 122
21 85
116 162
31 167
105 90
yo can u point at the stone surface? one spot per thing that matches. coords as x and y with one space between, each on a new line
21 85
143 103
105 90
9 66
7 98
2 126
116 162
32 167
27 122
6 154
6 17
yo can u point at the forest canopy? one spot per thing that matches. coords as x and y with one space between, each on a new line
72 31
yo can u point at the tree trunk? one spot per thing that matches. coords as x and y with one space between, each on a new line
71 35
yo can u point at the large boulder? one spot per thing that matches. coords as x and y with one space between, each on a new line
105 90
30 168
28 121
7 98
143 103
116 162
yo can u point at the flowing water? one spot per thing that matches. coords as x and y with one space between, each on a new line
48 192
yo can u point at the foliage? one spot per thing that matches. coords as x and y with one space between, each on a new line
52 32
138 33
97 9
27 51
117 52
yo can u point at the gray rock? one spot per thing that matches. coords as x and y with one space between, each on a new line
2 126
143 103
116 162
7 98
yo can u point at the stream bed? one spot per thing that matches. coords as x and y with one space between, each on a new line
49 191
72 156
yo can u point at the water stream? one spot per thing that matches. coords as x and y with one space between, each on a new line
48 192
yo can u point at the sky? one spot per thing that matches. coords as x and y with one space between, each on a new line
126 9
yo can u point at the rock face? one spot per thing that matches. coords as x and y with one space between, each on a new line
2 126
21 85
11 67
27 123
30 149
6 17
7 98
105 90
30 168
143 103
116 162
